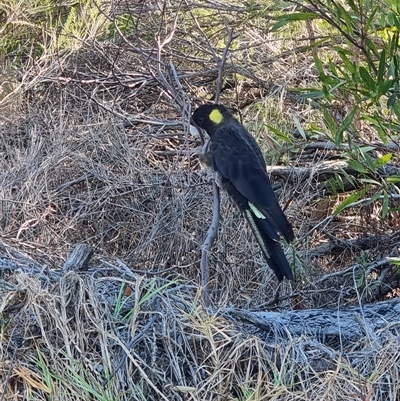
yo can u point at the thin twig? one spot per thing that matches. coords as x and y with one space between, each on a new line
211 235
222 66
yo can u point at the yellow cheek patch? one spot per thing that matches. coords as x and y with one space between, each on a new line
216 116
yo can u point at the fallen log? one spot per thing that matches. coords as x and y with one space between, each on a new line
374 322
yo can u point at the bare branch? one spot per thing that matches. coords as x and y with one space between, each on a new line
222 66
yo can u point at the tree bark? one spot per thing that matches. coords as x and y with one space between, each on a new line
79 258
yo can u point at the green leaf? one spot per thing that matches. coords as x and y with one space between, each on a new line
392 100
372 49
344 126
357 166
393 20
287 18
345 51
394 44
370 181
339 181
366 77
333 68
353 6
343 14
318 65
370 162
394 261
329 121
383 160
376 195
300 16
383 87
371 19
382 135
299 127
382 66
392 68
316 94
349 200
317 43
280 134
347 63
393 179
396 109
366 148
378 126
348 177
333 184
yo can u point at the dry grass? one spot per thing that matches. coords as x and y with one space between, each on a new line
93 151
66 340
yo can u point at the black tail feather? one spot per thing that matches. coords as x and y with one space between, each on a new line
280 221
266 231
271 248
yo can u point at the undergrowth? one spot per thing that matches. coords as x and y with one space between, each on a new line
94 151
